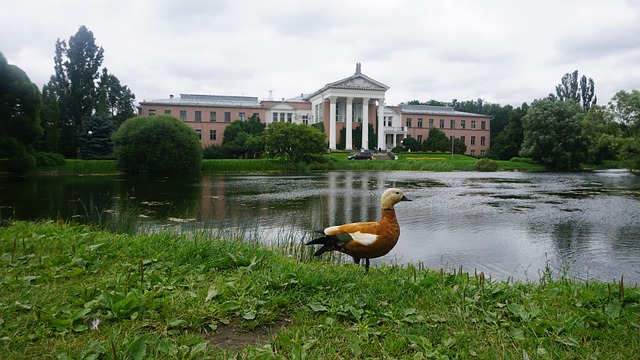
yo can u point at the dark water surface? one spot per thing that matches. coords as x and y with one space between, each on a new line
505 224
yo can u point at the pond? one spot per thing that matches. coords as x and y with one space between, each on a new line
505 224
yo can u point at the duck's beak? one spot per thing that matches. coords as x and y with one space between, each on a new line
404 198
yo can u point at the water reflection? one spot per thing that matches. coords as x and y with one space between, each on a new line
505 224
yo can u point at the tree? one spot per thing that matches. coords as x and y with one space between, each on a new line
157 144
601 133
115 99
508 142
625 107
96 137
568 89
49 119
437 141
587 92
243 138
552 134
20 105
77 67
80 88
411 144
293 142
459 147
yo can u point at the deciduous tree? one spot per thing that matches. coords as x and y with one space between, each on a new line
552 134
293 142
20 105
157 144
80 88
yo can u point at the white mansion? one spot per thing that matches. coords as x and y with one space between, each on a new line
345 103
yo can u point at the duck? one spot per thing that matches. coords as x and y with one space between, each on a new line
365 240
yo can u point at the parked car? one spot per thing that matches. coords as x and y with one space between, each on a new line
361 156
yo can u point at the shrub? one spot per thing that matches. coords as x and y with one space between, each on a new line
216 152
486 164
523 160
49 159
157 144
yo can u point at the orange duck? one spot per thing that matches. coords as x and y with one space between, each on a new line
365 240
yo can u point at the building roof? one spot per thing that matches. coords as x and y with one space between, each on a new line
207 100
357 81
436 110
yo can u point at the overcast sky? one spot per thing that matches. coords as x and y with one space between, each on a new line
505 52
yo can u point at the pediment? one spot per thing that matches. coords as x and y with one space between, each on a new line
282 106
359 82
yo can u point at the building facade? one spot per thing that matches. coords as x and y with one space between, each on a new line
351 103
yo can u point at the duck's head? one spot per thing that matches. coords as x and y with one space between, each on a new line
391 197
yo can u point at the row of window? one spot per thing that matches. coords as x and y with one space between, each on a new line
213 115
288 117
452 124
483 140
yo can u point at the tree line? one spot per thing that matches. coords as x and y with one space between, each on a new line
83 105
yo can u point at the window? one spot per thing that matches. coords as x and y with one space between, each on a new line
275 117
473 152
289 117
198 116
199 133
212 116
227 116
463 124
408 122
483 125
441 123
419 138
482 141
430 123
242 117
183 115
305 119
473 140
212 135
167 112
462 138
482 153
452 124
419 122
281 117
256 116
152 112
473 124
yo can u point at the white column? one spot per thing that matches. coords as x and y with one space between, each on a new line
332 123
381 135
365 124
349 129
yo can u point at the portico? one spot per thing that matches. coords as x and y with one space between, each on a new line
347 103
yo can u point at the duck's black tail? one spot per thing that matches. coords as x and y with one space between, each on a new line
328 242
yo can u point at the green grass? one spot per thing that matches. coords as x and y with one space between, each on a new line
337 160
84 167
175 296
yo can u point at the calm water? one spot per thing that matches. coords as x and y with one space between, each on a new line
505 224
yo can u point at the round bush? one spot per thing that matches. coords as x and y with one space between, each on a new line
158 144
486 164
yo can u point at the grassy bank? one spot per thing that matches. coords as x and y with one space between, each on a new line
72 291
333 161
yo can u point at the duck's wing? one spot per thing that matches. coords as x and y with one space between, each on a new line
364 233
